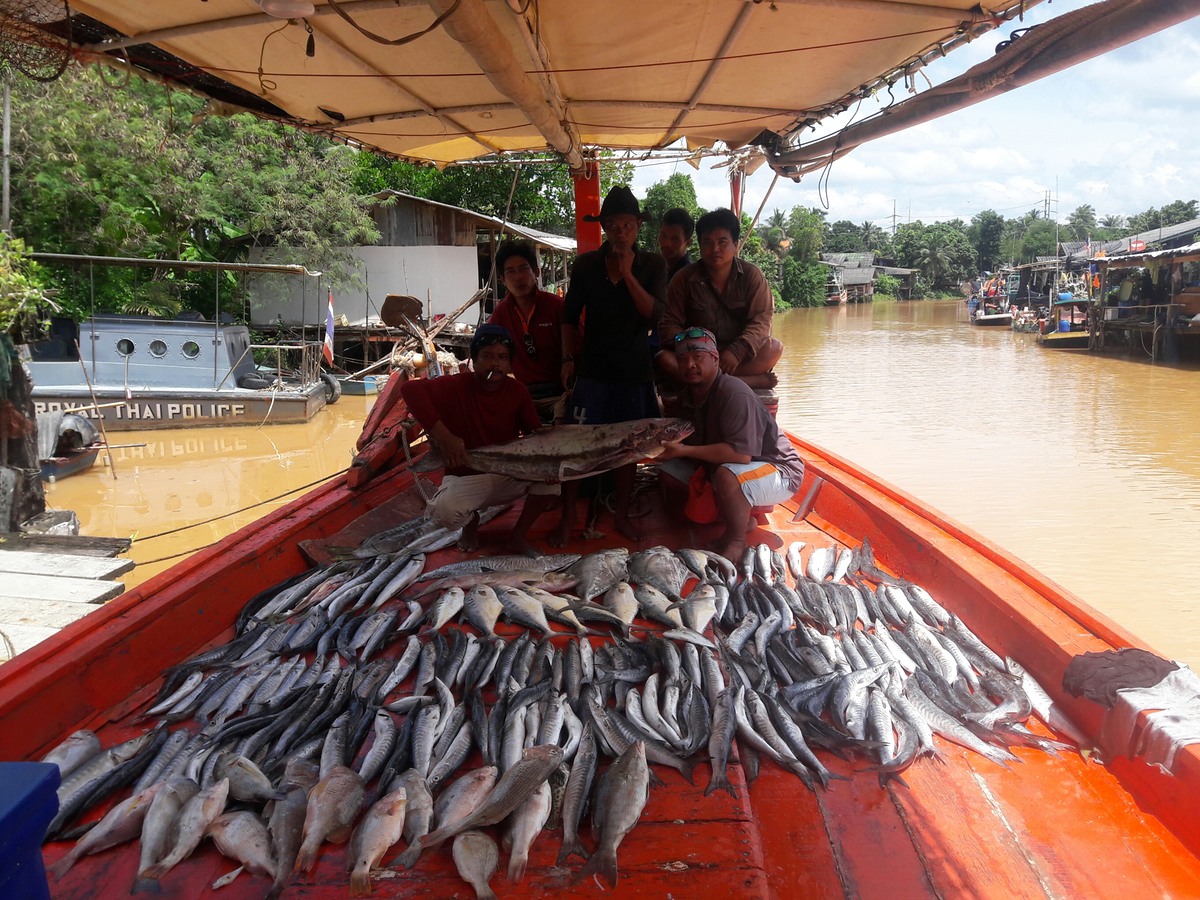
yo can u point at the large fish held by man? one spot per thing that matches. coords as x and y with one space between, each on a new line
568 452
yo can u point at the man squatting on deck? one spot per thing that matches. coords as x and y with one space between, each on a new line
750 462
473 409
728 296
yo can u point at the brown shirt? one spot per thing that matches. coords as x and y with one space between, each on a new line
741 318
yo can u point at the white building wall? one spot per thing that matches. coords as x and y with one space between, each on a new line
443 278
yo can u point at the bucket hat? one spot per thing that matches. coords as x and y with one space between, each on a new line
618 201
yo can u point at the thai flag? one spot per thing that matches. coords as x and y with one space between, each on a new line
327 350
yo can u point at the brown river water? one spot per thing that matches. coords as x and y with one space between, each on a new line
1086 467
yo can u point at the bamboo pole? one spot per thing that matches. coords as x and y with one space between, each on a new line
96 405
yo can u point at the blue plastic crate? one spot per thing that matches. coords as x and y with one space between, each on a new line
28 802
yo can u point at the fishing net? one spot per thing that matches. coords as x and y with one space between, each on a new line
35 37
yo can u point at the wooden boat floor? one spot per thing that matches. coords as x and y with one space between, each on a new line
1049 826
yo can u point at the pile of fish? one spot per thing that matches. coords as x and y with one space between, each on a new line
351 699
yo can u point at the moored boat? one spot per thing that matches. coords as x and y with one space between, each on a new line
998 318
136 372
965 827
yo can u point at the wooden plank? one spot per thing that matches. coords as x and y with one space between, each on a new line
62 565
78 545
43 613
46 587
25 636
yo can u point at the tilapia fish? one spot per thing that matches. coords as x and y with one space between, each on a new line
567 452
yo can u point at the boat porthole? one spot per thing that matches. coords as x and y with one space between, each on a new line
158 348
125 347
191 349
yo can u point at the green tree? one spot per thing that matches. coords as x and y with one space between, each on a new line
1081 224
676 191
843 237
543 196
985 232
147 172
806 229
1039 239
873 237
941 252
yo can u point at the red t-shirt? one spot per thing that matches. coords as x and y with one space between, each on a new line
469 412
545 324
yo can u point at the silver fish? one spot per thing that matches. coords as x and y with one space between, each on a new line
73 752
620 798
242 837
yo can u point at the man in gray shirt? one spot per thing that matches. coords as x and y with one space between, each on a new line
750 462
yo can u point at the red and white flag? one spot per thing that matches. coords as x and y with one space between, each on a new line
327 350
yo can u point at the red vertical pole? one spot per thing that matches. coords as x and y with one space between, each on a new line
587 203
737 187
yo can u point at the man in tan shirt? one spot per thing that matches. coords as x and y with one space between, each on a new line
728 296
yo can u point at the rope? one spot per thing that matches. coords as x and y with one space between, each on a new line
302 487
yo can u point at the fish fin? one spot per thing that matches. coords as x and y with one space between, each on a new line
305 859
687 770
360 883
655 781
516 868
573 848
603 864
720 782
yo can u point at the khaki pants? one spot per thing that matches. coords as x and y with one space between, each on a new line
461 495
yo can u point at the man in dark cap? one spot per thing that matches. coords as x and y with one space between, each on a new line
750 462
618 293
473 409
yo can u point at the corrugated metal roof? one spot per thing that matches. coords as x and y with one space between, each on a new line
1190 253
538 237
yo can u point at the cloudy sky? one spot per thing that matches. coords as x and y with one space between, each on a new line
1121 132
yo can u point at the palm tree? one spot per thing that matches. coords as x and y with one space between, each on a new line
872 236
934 263
1114 221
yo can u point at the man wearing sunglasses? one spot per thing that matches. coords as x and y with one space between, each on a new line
728 296
750 462
473 409
534 318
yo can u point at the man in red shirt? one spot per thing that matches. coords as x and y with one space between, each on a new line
533 317
472 409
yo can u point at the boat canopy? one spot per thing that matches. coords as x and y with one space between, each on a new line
445 81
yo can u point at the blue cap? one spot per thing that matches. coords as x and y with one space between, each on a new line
488 334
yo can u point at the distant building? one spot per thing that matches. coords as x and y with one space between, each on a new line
438 253
859 271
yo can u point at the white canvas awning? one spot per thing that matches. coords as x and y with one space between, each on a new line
450 80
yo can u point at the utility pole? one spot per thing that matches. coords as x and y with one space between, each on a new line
894 218
5 217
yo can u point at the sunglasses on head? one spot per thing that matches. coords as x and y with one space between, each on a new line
529 347
692 333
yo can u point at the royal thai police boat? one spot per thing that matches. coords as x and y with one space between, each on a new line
138 372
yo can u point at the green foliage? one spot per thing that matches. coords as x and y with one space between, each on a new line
21 289
803 283
843 237
984 233
887 286
1081 223
940 252
543 197
145 172
677 191
1172 214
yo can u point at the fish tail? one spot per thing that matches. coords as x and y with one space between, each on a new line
516 867
409 857
147 882
604 864
686 769
305 859
720 782
360 883
571 848
63 866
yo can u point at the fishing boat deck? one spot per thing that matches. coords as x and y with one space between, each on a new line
1048 826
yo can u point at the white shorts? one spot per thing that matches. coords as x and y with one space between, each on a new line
762 483
460 495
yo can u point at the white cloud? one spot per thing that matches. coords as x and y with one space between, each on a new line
1116 132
